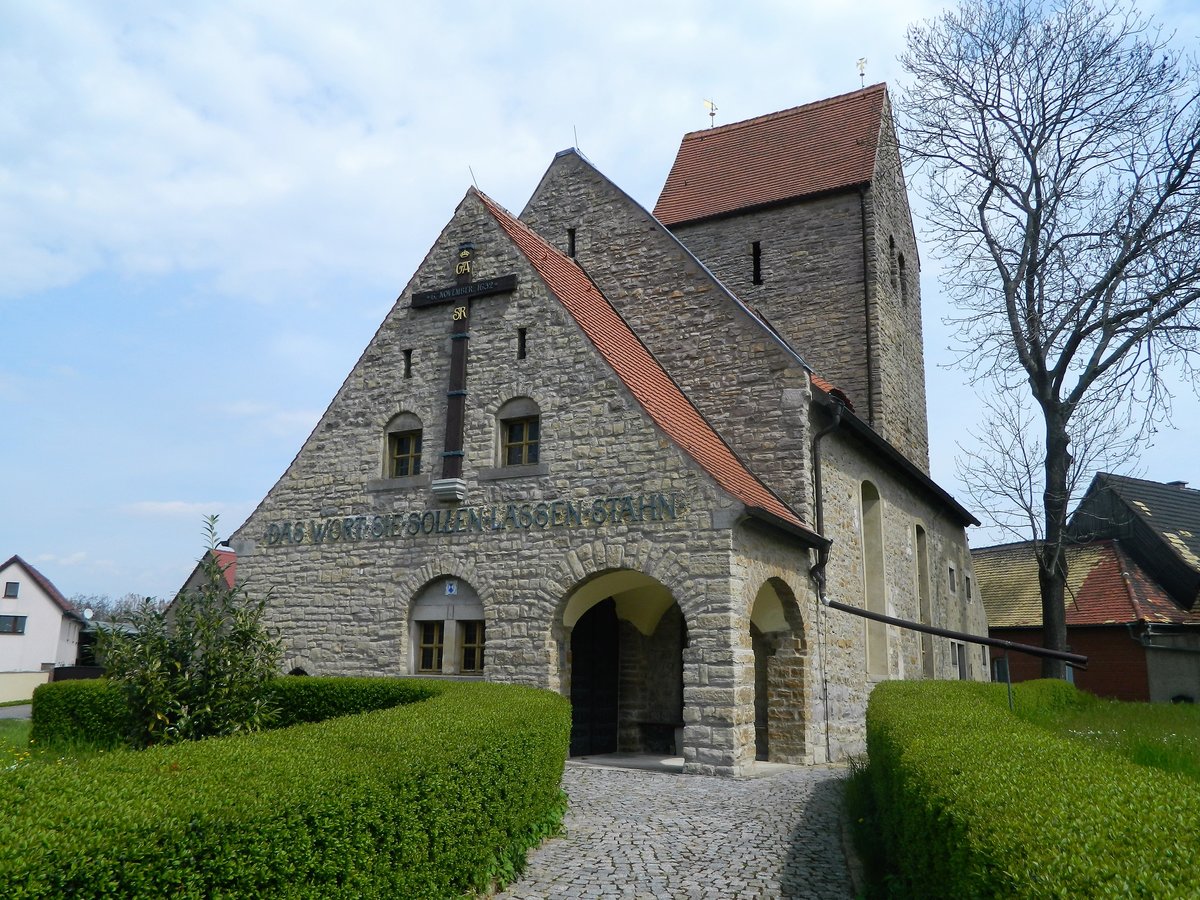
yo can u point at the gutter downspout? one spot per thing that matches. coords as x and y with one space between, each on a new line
862 213
817 572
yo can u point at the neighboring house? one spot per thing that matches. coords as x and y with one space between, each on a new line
38 629
225 559
1132 583
622 455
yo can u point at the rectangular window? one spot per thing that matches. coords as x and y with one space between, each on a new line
1000 669
11 588
430 650
12 624
472 647
520 441
953 580
521 348
404 453
756 263
408 364
967 586
571 242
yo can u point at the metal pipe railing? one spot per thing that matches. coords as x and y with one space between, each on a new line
1072 659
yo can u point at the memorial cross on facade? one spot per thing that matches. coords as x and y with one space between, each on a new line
451 485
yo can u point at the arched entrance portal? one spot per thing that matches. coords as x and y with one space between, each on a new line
776 636
625 667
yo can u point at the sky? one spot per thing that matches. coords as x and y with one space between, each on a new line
207 209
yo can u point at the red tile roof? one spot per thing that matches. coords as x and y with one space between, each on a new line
45 584
1105 586
798 152
227 560
639 370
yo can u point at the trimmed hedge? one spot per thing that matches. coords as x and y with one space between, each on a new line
95 712
429 799
309 699
975 802
92 712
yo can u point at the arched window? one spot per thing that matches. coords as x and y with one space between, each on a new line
520 432
403 446
873 580
447 629
924 600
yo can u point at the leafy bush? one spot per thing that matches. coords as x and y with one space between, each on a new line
430 799
69 713
198 668
973 801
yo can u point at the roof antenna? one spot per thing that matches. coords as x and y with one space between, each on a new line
862 71
575 131
473 181
712 112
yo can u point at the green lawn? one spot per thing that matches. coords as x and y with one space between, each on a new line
1163 736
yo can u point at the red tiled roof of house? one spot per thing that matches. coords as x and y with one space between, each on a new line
45 584
798 152
227 560
1105 586
639 370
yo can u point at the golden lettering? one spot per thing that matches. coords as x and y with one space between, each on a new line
460 312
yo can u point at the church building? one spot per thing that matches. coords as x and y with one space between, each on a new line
625 455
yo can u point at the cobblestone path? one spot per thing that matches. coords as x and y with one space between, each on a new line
634 835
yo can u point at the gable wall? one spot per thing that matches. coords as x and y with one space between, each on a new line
342 605
751 390
50 638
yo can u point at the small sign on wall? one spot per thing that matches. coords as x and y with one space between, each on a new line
451 587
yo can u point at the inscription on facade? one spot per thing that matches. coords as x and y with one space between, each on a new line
472 289
593 512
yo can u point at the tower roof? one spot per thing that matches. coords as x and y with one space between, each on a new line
810 149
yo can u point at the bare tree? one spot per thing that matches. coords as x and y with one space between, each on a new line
1059 144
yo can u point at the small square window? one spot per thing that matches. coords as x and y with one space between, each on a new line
11 588
430 650
520 441
472 647
12 624
404 454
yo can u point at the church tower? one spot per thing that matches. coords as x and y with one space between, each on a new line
804 215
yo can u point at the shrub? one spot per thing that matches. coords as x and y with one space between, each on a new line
198 668
973 801
91 713
430 799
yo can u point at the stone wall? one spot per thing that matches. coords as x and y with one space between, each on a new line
846 463
740 378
